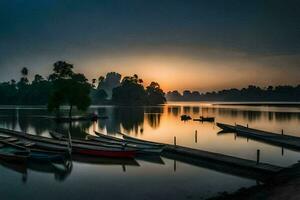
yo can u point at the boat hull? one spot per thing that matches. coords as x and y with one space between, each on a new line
85 149
115 154
141 147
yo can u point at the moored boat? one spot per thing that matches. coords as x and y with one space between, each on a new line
33 154
185 117
62 137
205 119
112 142
11 154
142 144
140 141
140 147
86 149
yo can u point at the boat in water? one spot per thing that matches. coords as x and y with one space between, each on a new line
12 154
205 119
22 149
79 148
185 117
134 140
111 142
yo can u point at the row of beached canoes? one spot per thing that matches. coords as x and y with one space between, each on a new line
19 146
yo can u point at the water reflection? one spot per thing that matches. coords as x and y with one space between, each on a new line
161 174
132 119
60 170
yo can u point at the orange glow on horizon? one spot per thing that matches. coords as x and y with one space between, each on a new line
180 72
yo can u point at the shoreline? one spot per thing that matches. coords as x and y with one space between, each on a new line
284 185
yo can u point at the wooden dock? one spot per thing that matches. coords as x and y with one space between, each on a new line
223 159
282 140
218 167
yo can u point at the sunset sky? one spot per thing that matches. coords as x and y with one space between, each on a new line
197 45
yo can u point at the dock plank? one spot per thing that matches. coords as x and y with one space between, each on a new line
282 140
225 159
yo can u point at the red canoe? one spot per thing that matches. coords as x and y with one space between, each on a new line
106 153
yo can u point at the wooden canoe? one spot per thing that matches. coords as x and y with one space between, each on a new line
111 143
144 147
85 149
139 141
34 154
11 154
61 137
205 119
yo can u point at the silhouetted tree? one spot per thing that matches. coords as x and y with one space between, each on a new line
37 79
24 72
155 94
98 96
130 92
174 96
62 70
68 88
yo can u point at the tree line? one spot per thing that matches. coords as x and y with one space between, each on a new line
285 93
66 87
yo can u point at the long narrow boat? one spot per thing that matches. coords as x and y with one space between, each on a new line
139 141
130 140
33 154
11 154
108 137
205 119
85 149
111 143
142 145
99 138
62 137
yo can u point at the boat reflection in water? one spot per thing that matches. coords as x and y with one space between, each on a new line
62 170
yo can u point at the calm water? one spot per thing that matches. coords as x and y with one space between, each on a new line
147 178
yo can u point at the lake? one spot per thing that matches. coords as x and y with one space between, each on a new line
148 178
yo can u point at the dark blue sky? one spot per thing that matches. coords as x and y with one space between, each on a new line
205 37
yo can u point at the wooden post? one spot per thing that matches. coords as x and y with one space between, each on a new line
282 132
175 166
175 141
247 126
257 156
196 136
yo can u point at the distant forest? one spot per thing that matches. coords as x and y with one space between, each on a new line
251 93
63 86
